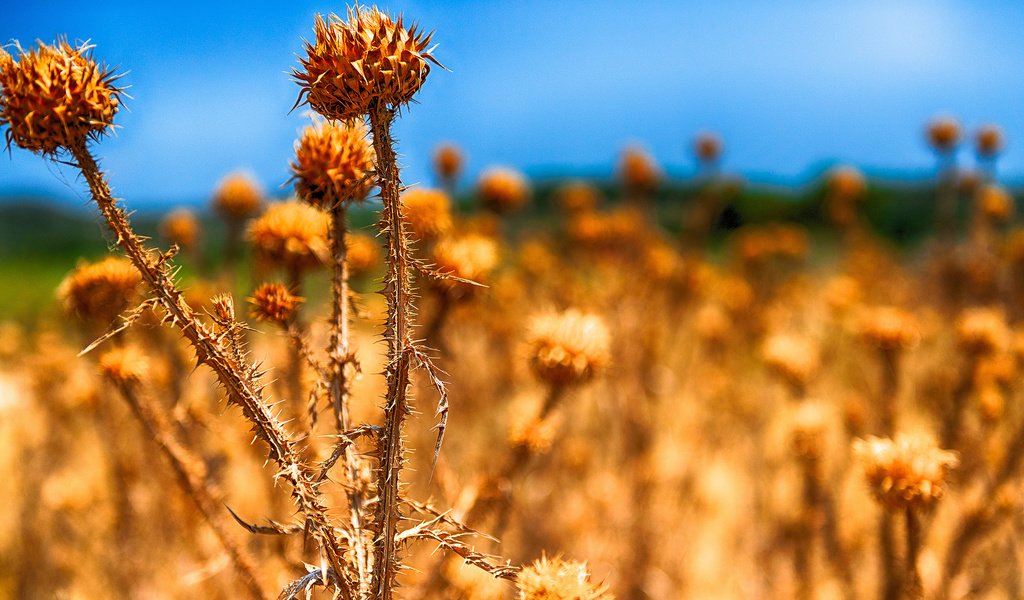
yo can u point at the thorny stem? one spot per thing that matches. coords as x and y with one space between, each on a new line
239 385
398 330
192 478
340 357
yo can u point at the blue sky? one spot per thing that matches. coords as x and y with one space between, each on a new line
551 87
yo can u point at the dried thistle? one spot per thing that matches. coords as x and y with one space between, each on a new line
794 358
99 291
291 234
428 213
943 134
125 364
988 141
889 328
558 579
577 196
503 190
981 331
472 257
273 302
568 347
370 58
638 172
363 255
332 163
994 203
448 163
238 196
906 472
54 96
707 147
181 227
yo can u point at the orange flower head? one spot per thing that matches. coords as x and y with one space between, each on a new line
995 203
568 347
847 183
906 472
238 196
57 96
943 134
890 328
333 162
448 162
708 147
428 212
638 171
503 190
369 59
577 197
99 291
125 364
557 579
471 256
291 234
982 331
792 357
989 141
180 227
273 302
363 254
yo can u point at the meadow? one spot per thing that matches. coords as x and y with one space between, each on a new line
628 387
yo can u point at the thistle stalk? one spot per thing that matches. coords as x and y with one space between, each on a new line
399 294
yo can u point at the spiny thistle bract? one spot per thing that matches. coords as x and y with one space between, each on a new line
568 347
369 58
238 196
333 163
99 291
291 234
906 472
180 227
56 96
428 212
558 579
503 190
273 302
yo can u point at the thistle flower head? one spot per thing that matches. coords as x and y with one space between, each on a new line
180 227
988 141
994 203
707 146
809 429
568 347
238 196
100 291
638 171
126 364
503 190
982 330
471 256
56 96
428 212
792 357
889 328
943 134
272 302
906 472
847 183
558 579
448 161
577 197
332 163
363 253
370 58
291 234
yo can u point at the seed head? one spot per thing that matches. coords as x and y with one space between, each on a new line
428 212
707 146
291 234
557 579
56 96
577 197
943 134
995 203
363 254
503 190
792 357
989 141
99 291
638 171
273 302
448 161
223 307
124 365
471 256
332 163
982 331
370 58
889 328
180 227
237 197
908 472
568 347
